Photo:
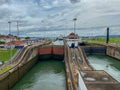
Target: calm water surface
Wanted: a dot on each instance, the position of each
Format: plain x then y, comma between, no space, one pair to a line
45,75
102,62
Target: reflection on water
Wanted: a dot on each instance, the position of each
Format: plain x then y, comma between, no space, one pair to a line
102,62
46,75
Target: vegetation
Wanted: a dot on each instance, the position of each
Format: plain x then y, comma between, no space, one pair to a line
1,42
27,38
102,40
17,37
5,69
5,54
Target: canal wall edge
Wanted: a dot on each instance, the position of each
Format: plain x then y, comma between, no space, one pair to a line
23,64
113,51
15,74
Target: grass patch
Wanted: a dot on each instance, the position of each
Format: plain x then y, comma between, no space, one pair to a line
115,40
5,69
102,40
5,54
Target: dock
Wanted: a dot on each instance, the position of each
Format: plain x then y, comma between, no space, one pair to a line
82,76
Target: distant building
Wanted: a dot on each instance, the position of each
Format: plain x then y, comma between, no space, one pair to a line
7,38
33,40
60,37
2,46
72,36
16,44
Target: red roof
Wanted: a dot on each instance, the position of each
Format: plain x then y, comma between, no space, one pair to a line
18,42
72,35
8,36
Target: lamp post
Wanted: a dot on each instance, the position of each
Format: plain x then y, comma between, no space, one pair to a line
107,37
17,28
9,22
74,20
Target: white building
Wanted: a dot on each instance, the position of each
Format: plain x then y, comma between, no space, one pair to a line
7,38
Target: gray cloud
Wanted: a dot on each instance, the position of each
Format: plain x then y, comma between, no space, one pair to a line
59,13
4,1
74,1
4,13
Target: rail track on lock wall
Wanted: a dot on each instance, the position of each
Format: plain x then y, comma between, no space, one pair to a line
75,60
70,69
79,59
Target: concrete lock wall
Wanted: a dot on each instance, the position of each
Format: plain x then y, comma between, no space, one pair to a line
24,62
51,51
113,52
14,75
24,68
110,50
58,52
45,52
95,50
4,82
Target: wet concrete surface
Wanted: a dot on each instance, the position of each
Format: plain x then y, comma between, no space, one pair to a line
99,80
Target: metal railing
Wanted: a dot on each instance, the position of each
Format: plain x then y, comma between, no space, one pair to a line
81,84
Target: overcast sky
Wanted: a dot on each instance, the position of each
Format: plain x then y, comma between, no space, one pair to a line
48,14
